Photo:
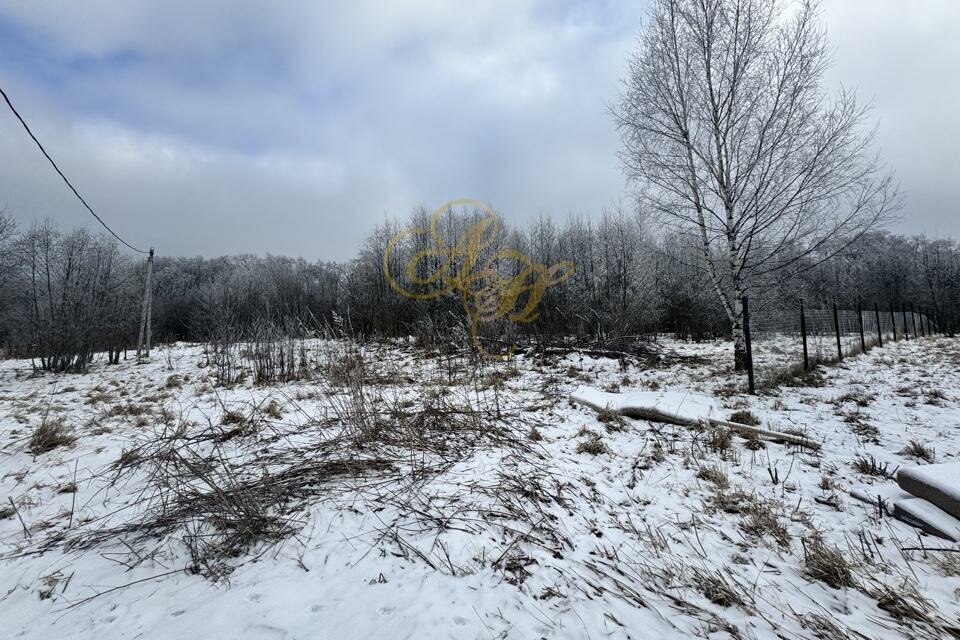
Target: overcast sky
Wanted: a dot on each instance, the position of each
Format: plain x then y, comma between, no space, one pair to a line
293,127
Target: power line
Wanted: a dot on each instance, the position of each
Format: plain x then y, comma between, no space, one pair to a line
57,169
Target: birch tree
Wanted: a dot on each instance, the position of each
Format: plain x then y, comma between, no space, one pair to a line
727,131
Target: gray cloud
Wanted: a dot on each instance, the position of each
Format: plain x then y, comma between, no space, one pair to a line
902,57
293,127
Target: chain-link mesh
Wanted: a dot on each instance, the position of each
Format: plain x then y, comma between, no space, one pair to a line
777,336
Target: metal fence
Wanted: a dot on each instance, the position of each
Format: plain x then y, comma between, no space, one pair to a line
784,343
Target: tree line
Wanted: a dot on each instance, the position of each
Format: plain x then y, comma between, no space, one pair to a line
67,295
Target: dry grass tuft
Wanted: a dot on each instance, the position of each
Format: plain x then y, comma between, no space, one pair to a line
827,564
99,395
718,588
593,446
239,425
737,501
752,441
128,458
947,563
721,439
762,522
273,410
794,376
344,369
904,604
50,435
232,417
868,465
826,628
861,427
859,398
612,419
746,417
130,409
715,476
919,450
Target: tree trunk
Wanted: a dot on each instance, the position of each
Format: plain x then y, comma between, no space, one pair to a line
739,338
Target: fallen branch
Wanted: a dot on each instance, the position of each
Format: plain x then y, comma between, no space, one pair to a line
655,415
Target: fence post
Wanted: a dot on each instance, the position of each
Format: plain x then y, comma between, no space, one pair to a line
836,328
906,327
863,342
876,312
751,384
803,332
893,321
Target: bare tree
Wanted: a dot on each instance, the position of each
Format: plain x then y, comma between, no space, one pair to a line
8,265
727,131
8,229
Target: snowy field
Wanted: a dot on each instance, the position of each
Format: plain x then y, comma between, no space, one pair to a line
391,492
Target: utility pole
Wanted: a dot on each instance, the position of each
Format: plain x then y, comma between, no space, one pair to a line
146,317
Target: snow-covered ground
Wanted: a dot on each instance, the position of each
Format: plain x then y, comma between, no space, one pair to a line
407,494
